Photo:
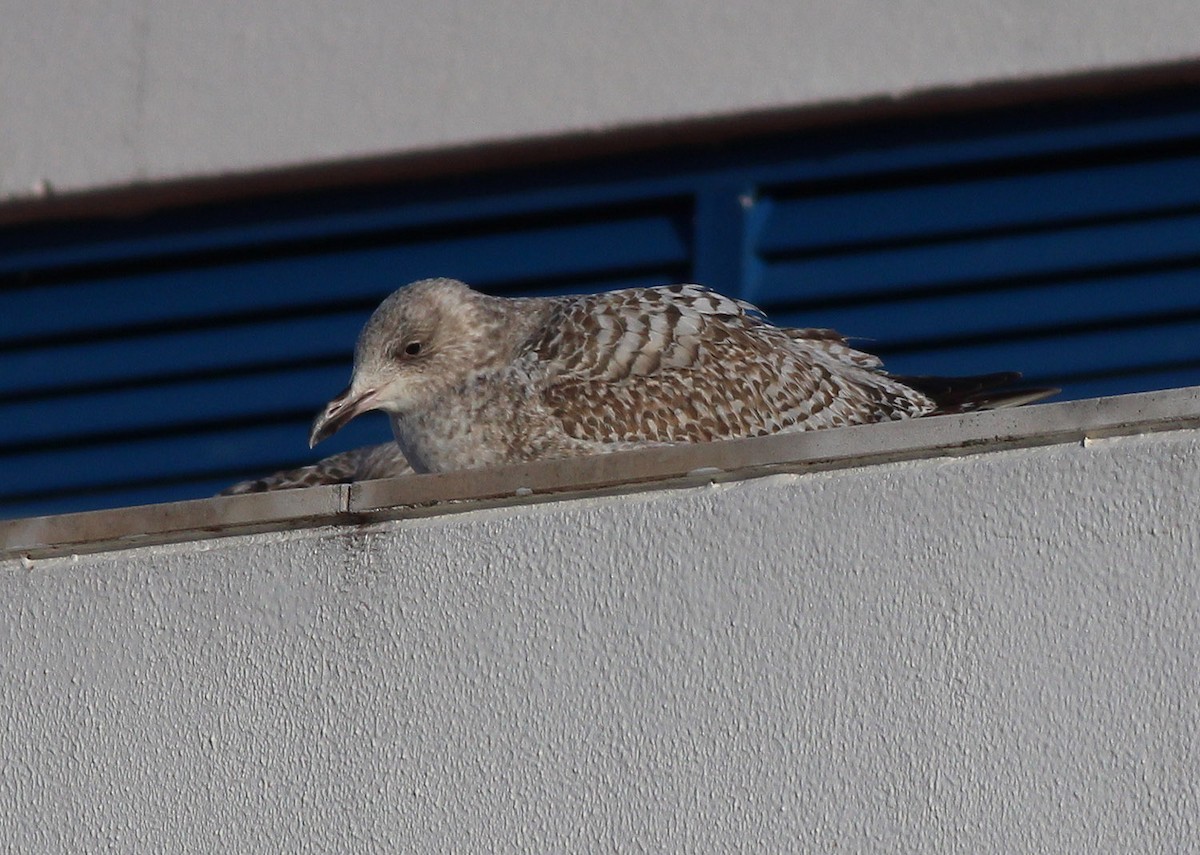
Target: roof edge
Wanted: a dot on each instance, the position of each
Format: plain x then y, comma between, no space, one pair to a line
607,474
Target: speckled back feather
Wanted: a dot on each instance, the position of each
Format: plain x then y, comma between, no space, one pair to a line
685,364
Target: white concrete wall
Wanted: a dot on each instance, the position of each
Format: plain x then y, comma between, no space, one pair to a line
97,94
995,653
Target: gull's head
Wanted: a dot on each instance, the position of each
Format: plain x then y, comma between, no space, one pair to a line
421,342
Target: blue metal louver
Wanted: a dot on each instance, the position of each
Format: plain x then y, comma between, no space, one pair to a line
161,357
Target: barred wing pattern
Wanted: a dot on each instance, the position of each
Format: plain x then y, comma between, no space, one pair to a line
685,364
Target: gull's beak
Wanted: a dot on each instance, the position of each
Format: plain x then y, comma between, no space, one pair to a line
339,411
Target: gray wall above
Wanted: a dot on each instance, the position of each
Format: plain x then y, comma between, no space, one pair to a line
140,92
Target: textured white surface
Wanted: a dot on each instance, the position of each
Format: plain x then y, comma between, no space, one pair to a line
97,94
994,653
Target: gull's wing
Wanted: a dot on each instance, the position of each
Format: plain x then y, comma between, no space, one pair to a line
685,364
360,464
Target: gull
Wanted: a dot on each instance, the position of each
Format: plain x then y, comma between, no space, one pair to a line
469,380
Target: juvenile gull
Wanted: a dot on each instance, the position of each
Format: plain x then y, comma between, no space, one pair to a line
469,380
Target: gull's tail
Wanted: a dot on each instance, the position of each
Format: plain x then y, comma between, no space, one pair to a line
979,392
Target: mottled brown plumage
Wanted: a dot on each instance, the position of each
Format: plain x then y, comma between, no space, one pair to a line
470,380
359,464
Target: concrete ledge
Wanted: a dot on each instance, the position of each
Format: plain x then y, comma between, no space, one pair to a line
657,468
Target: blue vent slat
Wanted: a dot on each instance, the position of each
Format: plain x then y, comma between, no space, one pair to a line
926,211
941,146
247,347
101,244
1085,353
293,282
168,405
988,259
1141,381
1007,311
139,358
174,456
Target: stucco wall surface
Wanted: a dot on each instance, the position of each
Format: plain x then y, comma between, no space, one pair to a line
994,653
97,94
